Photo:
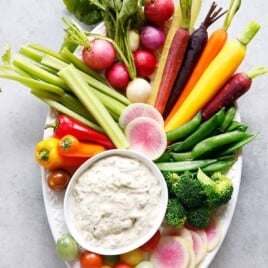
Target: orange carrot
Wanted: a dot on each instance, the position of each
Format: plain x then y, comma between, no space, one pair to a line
214,77
215,43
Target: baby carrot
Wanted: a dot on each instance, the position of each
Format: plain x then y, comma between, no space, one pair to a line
214,44
214,77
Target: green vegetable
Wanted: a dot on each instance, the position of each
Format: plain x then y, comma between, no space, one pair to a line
186,188
184,130
229,116
83,92
84,11
67,248
175,214
218,188
187,165
236,125
211,144
221,165
199,217
202,132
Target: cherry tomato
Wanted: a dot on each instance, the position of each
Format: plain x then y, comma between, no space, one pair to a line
57,180
90,260
122,265
145,62
110,259
106,266
133,257
159,11
67,248
151,243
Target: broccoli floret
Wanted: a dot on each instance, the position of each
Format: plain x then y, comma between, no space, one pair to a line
186,188
172,178
218,188
175,214
199,217
189,191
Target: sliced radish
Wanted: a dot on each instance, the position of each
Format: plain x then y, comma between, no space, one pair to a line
171,252
213,233
204,238
135,110
146,136
199,247
182,232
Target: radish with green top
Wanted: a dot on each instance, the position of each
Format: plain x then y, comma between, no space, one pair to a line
146,136
135,110
98,54
171,252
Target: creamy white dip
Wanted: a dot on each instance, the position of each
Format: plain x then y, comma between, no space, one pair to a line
115,202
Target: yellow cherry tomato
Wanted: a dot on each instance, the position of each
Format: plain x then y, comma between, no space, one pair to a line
133,257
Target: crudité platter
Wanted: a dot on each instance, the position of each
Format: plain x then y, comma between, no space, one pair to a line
147,79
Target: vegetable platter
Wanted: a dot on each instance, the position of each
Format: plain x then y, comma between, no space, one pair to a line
134,83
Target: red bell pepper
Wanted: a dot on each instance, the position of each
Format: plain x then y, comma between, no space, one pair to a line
66,125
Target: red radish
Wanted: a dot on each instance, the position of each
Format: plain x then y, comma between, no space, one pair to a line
117,76
134,110
100,55
171,252
213,233
138,90
146,136
159,11
145,62
152,38
235,87
199,248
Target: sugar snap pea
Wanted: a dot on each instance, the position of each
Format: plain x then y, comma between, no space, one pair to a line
203,131
181,156
217,142
184,130
236,125
229,116
220,165
188,165
165,157
238,145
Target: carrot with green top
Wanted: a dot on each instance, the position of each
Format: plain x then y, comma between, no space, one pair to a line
196,45
214,77
213,46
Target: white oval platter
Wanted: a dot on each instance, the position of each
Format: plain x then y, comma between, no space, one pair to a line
54,200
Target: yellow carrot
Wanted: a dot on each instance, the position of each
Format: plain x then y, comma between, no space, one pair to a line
214,77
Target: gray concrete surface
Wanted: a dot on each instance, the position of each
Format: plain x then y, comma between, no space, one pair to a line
26,240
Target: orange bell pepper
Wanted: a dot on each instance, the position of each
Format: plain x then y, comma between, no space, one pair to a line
70,146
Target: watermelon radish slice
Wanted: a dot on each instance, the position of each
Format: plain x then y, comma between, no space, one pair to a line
213,233
146,136
199,247
135,110
204,238
171,252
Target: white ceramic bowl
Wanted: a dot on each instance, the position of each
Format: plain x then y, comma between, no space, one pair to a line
134,242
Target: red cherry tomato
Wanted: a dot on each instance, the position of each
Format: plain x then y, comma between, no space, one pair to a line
159,11
145,62
151,243
122,265
57,180
90,260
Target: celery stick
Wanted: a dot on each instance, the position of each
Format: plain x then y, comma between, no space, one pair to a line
38,72
57,64
32,83
31,53
62,109
45,50
82,90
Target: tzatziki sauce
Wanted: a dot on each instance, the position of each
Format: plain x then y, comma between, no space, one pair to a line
115,201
